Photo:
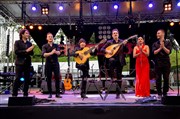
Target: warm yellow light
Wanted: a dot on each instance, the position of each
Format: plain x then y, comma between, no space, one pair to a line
40,27
172,23
77,6
31,27
23,27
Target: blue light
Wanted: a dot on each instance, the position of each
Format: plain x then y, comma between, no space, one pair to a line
21,79
116,6
34,8
95,7
61,7
178,3
150,5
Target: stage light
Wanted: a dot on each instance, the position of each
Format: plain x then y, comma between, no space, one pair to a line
61,7
45,9
23,27
33,8
167,5
95,6
21,79
150,5
172,23
40,27
31,27
178,3
116,6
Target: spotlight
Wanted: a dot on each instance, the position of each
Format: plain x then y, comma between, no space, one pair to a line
61,7
95,6
116,6
150,5
31,27
178,3
21,79
33,8
172,23
40,27
45,9
167,5
23,27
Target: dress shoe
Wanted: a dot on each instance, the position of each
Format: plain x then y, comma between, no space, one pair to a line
50,96
117,96
25,95
83,96
14,95
165,94
159,97
58,96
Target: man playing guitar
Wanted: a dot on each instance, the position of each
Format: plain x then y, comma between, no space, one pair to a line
117,60
83,67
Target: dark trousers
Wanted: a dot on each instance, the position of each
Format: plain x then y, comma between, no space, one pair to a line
162,69
53,67
115,67
84,70
21,72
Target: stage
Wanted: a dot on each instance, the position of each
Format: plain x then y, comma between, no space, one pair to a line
71,105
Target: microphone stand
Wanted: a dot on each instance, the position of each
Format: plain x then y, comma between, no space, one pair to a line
176,47
177,76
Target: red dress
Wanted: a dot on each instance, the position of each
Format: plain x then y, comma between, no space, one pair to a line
142,86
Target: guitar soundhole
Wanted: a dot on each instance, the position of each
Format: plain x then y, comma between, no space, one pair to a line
85,53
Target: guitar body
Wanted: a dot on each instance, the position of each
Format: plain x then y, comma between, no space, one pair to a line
67,84
84,55
114,48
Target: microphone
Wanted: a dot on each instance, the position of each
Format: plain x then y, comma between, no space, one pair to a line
174,42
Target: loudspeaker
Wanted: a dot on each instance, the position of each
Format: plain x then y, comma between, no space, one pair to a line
93,89
21,101
45,89
171,100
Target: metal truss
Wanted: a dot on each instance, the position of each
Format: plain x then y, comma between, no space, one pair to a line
126,19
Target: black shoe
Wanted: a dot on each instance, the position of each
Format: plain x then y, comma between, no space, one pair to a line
164,95
117,96
58,96
50,96
159,97
14,95
25,95
83,96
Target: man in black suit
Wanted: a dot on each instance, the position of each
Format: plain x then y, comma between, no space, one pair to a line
23,49
117,61
51,52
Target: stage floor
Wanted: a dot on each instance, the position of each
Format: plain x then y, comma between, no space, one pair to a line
71,106
72,98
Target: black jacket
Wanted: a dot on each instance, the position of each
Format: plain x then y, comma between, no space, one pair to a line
46,48
22,57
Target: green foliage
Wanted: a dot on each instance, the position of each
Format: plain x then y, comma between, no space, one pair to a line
173,59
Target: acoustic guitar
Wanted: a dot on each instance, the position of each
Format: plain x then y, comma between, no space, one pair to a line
68,81
115,47
84,54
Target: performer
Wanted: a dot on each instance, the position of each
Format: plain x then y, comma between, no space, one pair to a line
23,49
118,60
83,67
161,50
141,53
51,52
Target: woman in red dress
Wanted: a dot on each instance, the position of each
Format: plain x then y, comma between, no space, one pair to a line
141,53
